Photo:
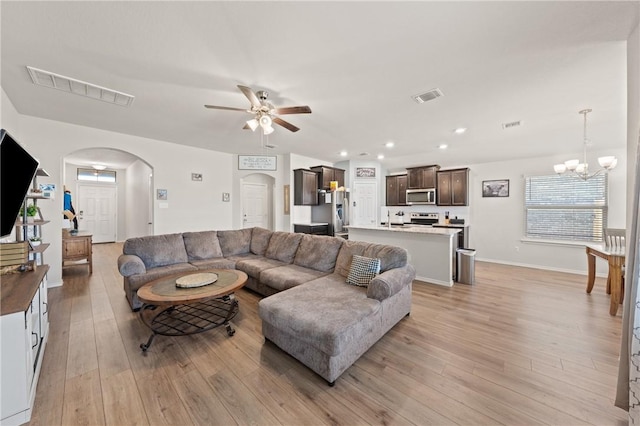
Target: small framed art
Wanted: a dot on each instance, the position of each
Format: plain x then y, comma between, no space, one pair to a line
495,188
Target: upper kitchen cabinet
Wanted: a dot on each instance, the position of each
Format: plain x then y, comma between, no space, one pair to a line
305,187
422,177
453,187
326,174
397,190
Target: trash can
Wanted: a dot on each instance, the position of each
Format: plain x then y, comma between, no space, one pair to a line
466,265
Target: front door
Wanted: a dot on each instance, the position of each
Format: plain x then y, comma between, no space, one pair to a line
96,212
255,205
365,201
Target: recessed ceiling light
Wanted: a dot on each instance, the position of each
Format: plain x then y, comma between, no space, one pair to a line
389,144
443,146
343,153
380,157
460,130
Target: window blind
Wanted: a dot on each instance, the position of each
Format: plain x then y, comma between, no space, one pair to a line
564,207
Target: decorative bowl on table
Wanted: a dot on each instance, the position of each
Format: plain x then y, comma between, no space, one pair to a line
196,280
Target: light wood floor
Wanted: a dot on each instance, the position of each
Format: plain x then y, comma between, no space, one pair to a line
520,347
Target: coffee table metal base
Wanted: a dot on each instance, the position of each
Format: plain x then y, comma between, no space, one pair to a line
182,320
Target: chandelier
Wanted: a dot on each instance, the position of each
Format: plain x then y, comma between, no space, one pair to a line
581,170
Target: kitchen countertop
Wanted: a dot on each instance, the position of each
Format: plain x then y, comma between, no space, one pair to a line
414,229
312,223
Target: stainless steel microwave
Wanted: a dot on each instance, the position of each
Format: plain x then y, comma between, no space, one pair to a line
421,196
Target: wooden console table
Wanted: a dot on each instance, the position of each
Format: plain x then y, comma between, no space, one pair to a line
616,257
76,248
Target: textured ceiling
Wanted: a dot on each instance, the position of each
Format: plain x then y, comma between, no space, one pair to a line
356,64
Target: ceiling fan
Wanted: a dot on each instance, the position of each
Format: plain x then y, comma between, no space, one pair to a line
265,113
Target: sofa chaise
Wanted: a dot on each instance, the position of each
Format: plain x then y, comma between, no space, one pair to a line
323,304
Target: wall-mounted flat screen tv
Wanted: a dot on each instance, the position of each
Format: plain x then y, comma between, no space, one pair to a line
17,169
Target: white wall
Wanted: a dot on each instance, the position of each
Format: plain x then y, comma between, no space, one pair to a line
497,224
633,115
191,205
135,213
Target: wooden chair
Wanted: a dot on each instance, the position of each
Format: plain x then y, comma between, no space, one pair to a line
615,238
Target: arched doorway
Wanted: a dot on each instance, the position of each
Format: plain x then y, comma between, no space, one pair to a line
110,210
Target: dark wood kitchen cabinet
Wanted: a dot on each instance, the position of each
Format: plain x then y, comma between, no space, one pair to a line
305,187
422,177
453,187
396,190
326,174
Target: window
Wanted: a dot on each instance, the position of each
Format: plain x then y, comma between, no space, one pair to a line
564,207
108,176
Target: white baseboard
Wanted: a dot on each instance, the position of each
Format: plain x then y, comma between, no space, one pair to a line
544,268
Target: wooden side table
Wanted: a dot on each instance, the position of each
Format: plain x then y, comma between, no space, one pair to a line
76,248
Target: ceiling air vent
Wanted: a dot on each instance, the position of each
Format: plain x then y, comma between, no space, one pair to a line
506,126
77,87
428,96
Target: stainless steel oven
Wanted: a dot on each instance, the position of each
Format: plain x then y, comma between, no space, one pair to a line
420,218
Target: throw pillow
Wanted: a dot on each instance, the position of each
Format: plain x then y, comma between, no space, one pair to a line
363,270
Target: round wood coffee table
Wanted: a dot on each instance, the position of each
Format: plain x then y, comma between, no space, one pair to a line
170,310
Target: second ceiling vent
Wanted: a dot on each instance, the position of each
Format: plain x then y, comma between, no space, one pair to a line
428,96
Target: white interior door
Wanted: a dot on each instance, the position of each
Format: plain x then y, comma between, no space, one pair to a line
364,203
255,205
96,212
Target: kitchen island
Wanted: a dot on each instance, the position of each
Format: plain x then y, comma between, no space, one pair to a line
431,250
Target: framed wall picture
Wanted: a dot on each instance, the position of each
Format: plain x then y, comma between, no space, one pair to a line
495,188
365,172
162,194
257,162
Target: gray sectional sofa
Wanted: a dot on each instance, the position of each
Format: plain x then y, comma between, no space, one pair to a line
309,310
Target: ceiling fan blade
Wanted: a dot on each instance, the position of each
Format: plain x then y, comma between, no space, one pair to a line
227,108
293,110
285,124
250,95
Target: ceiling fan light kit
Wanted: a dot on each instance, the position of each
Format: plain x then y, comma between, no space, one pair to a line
265,113
581,170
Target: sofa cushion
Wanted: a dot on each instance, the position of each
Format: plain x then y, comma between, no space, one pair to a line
157,250
390,256
318,313
363,270
283,246
318,252
202,245
288,276
214,263
236,241
260,240
254,266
